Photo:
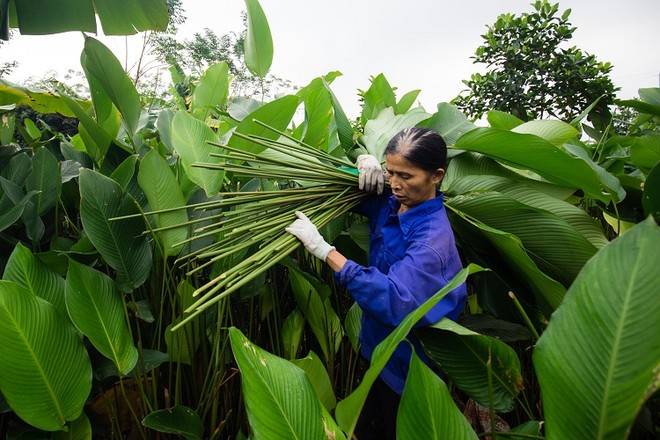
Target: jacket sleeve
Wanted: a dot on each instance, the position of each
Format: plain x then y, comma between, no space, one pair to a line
388,298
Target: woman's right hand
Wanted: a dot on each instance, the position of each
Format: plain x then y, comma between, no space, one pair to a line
371,176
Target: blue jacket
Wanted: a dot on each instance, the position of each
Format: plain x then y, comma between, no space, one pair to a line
412,256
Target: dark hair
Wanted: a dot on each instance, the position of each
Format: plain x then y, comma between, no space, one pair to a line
423,147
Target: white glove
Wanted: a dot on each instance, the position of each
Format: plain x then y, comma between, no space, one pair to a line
310,237
370,173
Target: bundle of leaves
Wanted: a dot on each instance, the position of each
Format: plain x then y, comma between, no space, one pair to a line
249,228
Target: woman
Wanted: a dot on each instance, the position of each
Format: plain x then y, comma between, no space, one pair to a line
412,255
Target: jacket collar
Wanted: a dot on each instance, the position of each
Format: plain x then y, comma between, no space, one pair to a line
408,219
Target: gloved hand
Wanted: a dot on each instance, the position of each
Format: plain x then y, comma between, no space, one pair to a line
310,237
370,177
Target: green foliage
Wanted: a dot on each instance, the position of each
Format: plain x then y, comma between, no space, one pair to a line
97,310
163,193
531,75
258,42
176,420
106,74
98,227
120,242
27,271
424,404
280,400
205,49
125,18
607,366
470,360
45,373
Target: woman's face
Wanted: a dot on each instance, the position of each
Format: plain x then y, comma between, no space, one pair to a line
410,184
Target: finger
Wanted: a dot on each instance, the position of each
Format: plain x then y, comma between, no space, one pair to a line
295,229
301,215
381,183
361,179
374,180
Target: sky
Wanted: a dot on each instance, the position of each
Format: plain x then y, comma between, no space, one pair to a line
416,44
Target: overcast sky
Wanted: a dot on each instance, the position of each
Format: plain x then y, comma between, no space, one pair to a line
417,44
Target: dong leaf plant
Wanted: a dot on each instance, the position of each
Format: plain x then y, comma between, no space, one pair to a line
146,271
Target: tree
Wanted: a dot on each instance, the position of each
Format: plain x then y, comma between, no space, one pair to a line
207,48
531,76
7,67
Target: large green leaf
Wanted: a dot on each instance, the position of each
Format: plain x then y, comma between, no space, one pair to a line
105,112
465,357
258,42
450,122
556,246
348,410
124,17
318,117
427,410
344,128
18,168
44,178
279,399
379,130
467,164
318,311
11,208
599,358
318,377
190,138
79,429
102,64
120,242
379,96
176,420
97,310
40,100
554,131
525,191
505,121
163,192
212,91
95,137
291,333
407,101
608,181
127,17
124,172
531,152
45,373
26,270
547,292
645,151
277,114
353,325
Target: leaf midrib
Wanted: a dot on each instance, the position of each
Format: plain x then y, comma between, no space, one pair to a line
42,373
609,378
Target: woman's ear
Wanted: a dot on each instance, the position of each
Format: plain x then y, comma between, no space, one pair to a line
438,175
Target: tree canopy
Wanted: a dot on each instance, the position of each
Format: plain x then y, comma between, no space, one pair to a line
531,75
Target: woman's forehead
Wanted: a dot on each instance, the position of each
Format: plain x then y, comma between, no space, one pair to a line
396,161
